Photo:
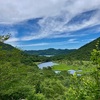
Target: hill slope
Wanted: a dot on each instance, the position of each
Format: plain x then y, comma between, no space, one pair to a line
84,52
10,53
4,46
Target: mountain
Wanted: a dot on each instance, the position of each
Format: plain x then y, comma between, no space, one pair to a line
4,46
50,51
9,53
12,54
84,52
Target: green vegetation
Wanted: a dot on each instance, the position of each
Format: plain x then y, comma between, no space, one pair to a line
63,67
85,66
83,53
50,51
4,37
20,78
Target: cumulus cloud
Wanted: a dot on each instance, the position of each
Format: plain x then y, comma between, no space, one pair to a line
12,11
35,44
53,27
55,16
12,40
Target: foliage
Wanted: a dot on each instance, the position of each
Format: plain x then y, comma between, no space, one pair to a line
96,55
20,78
4,37
83,53
50,51
64,67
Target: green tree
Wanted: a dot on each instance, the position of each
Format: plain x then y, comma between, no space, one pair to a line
4,37
95,57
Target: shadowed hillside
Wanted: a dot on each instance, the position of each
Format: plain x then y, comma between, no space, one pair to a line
4,46
84,52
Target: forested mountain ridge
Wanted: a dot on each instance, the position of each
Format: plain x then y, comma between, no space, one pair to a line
7,52
84,52
4,46
50,51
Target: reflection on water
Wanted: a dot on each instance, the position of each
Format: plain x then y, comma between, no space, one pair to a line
71,71
74,71
46,64
49,64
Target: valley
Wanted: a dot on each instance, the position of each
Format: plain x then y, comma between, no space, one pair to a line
60,77
49,49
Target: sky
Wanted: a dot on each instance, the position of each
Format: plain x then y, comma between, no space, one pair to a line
43,24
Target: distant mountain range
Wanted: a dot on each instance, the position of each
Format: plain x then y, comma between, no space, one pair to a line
83,53
50,51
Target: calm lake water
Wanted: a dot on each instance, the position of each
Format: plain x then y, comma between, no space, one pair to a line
50,64
47,55
46,64
73,71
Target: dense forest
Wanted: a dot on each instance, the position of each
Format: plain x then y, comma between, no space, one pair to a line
22,79
83,53
50,51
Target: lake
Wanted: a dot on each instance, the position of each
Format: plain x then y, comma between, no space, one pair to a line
50,64
47,55
74,71
46,64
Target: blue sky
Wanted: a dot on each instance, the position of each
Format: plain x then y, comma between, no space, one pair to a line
42,24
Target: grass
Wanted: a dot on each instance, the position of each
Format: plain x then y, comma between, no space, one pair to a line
37,63
64,67
86,67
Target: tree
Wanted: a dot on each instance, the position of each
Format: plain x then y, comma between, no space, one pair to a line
95,57
4,37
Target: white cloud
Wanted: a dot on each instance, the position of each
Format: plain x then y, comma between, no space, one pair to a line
49,43
14,11
12,40
72,40
53,28
12,34
36,44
